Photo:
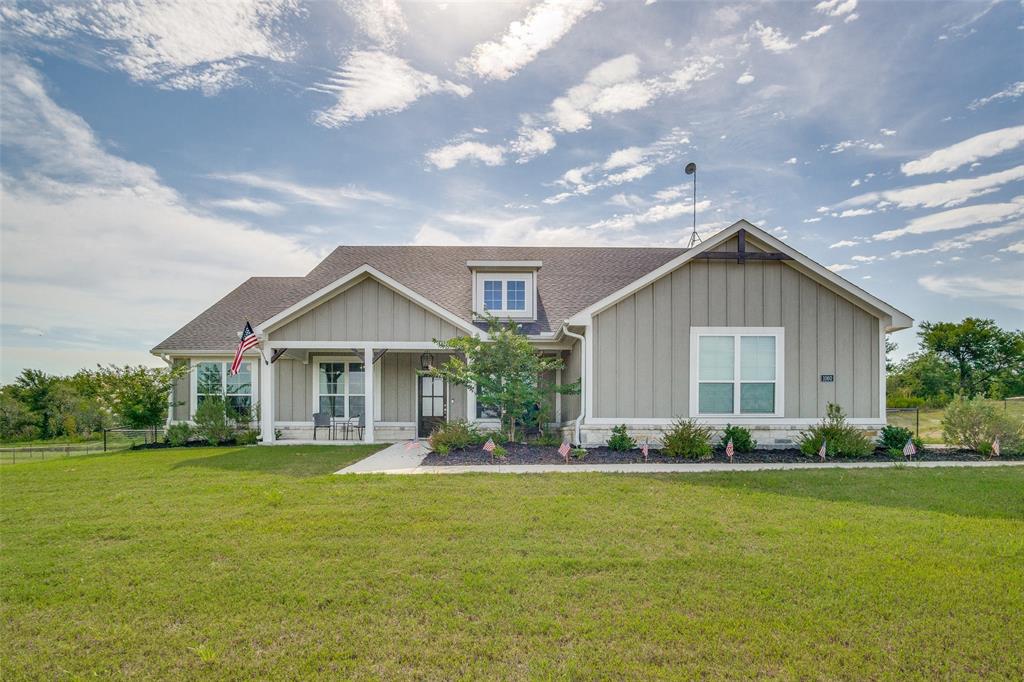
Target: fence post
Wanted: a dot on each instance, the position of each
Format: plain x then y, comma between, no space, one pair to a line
917,416
104,440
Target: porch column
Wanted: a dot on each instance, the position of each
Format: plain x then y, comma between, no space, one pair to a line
370,401
266,399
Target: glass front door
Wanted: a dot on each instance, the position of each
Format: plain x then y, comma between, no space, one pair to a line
432,404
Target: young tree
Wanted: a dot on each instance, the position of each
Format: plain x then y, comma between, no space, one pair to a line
980,350
505,370
137,396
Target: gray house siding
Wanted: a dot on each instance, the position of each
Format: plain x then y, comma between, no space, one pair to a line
571,372
642,353
181,395
367,311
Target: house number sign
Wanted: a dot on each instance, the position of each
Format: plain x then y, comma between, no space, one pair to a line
827,378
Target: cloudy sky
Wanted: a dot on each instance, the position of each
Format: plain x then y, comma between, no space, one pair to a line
157,154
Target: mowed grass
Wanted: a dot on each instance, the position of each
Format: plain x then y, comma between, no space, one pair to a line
931,418
256,563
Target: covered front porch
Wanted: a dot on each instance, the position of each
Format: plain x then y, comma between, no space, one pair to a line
323,393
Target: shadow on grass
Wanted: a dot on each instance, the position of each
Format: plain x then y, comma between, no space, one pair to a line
300,461
987,493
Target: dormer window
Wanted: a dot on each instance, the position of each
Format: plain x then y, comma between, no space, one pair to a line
505,289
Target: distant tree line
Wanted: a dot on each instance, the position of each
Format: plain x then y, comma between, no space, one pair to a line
38,405
971,358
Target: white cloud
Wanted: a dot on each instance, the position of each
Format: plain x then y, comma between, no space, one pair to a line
972,149
125,238
957,218
964,241
1016,247
498,229
544,25
842,146
816,33
450,155
532,142
772,39
836,8
851,18
842,243
856,212
865,259
812,220
176,44
248,205
324,197
746,78
374,82
841,267
1010,92
1009,292
791,161
382,21
654,214
946,194
855,183
888,132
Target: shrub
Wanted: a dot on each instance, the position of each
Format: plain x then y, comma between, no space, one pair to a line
740,437
840,438
578,453
499,452
213,420
179,434
548,439
620,440
975,424
453,435
247,437
687,438
896,437
499,437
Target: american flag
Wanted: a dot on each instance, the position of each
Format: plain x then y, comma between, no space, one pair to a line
564,449
909,450
822,451
645,448
489,445
729,450
247,341
995,447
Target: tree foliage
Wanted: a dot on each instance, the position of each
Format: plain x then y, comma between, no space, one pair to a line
506,372
982,353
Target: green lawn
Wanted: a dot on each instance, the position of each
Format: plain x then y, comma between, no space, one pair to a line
252,562
931,419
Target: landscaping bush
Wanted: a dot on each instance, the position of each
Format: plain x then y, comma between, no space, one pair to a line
499,452
896,437
840,438
453,435
247,437
213,420
620,440
499,437
687,438
975,424
740,437
578,453
548,438
179,434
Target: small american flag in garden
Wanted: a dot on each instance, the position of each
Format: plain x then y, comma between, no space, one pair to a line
729,450
823,450
247,341
995,448
909,450
563,450
489,445
645,448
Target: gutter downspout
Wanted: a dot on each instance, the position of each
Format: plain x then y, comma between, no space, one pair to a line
583,378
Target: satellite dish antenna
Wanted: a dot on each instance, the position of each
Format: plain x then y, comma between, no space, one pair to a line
691,169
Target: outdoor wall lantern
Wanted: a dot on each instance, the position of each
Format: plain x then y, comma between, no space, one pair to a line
426,361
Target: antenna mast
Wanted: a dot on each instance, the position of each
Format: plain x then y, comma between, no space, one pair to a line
691,169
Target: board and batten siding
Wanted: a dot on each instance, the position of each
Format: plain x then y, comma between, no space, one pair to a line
367,311
573,360
642,344
181,394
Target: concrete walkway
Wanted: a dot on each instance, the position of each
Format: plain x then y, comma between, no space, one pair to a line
400,458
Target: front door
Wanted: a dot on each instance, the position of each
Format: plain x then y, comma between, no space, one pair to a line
433,404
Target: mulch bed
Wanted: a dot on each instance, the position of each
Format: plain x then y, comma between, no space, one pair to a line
539,454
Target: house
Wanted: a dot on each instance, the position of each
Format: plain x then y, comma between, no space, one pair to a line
741,329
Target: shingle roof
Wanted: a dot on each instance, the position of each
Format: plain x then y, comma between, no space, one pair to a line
570,279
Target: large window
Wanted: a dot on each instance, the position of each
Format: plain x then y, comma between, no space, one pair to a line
341,391
215,379
736,371
505,294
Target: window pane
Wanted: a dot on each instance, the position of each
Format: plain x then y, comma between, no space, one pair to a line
757,398
716,358
427,408
356,406
241,383
715,399
241,406
757,358
516,295
492,294
208,378
332,405
356,378
332,377
438,407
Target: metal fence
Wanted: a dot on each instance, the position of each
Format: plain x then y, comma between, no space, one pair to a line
112,440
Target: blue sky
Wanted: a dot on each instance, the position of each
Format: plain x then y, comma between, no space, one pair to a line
156,155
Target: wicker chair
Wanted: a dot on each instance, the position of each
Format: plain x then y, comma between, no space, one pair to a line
322,420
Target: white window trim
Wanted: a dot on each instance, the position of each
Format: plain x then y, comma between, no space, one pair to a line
530,278
780,370
346,360
225,367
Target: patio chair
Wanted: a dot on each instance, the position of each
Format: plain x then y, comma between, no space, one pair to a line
358,424
322,420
